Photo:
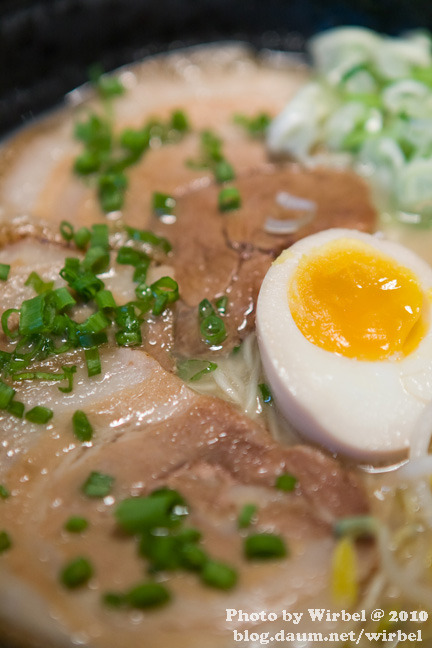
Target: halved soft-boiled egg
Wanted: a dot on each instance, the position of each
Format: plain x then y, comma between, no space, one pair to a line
345,335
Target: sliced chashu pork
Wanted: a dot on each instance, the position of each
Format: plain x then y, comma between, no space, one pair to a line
229,253
211,85
155,432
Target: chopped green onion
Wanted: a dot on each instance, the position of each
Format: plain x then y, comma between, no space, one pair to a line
163,203
66,230
63,299
76,524
128,338
96,260
213,330
139,514
266,394
255,126
192,556
147,595
194,369
93,361
32,316
39,414
81,426
264,545
149,237
229,199
6,395
246,515
357,526
5,323
82,237
90,340
68,372
211,146
112,187
221,304
105,300
218,574
16,408
128,256
5,542
97,485
114,599
4,271
88,162
165,290
95,323
136,141
107,85
224,172
179,121
76,573
4,492
205,309
99,236
286,482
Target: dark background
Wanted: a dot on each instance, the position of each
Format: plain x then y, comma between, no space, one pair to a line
46,46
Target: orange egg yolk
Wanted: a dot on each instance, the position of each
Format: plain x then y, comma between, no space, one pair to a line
349,298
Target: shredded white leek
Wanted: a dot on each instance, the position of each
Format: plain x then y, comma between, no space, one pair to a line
372,99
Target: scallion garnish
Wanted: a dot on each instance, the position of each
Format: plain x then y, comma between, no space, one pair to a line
68,374
39,414
5,323
165,291
192,369
180,121
76,524
92,358
255,126
265,393
6,395
136,141
219,575
82,238
4,271
212,158
224,172
140,514
229,199
246,515
16,408
114,599
97,485
76,573
81,426
221,304
163,203
262,546
63,299
212,327
357,526
5,541
150,238
107,85
105,300
213,330
286,482
147,595
111,191
66,230
4,492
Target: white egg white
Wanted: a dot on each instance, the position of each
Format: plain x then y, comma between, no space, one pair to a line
365,409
